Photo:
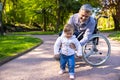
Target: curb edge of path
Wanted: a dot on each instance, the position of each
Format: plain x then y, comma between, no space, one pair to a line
19,54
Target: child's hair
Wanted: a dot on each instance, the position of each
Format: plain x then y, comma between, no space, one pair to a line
68,28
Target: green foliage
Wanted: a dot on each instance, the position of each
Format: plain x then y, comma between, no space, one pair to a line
106,23
13,45
113,8
49,15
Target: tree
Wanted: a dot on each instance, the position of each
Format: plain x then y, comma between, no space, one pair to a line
46,14
114,7
63,11
2,29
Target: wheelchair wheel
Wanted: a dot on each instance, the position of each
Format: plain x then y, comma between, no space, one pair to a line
97,50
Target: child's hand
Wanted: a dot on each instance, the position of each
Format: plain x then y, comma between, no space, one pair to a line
72,46
57,56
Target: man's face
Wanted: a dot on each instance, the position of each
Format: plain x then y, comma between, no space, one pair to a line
84,15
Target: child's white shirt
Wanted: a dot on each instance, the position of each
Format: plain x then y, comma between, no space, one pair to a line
62,45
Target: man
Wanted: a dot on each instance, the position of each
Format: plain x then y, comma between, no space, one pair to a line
83,23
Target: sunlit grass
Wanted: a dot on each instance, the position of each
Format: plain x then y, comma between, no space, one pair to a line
107,30
115,35
13,45
35,33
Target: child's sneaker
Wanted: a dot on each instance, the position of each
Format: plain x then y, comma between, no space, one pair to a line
72,77
62,71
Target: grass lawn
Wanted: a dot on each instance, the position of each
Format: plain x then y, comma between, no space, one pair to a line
115,35
11,45
34,33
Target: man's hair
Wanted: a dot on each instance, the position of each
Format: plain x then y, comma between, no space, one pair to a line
68,28
87,8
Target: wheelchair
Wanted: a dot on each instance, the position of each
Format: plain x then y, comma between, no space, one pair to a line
98,49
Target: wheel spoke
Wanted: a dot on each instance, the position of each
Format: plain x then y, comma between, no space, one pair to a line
96,53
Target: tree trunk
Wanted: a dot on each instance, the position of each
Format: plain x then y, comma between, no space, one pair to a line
116,22
44,19
116,16
1,21
58,17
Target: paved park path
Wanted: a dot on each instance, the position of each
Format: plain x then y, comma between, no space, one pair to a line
39,64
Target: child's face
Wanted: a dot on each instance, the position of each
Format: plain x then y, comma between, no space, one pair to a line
68,34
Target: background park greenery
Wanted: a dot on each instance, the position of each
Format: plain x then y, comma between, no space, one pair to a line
51,15
47,17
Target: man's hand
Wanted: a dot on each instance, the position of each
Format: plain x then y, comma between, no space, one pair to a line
79,56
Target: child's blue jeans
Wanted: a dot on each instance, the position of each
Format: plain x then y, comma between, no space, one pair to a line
71,63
